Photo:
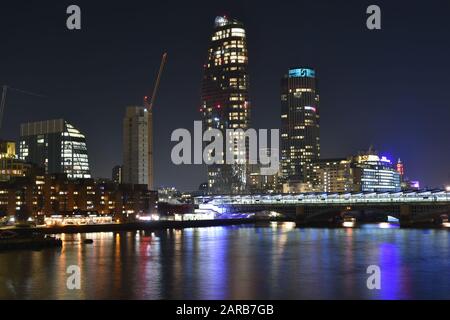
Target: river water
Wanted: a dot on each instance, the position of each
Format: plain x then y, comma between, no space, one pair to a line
273,261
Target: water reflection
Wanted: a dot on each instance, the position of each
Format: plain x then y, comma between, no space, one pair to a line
273,261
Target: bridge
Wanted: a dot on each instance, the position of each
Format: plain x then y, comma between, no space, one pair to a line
410,207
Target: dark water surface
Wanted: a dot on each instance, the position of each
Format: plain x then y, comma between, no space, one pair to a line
275,261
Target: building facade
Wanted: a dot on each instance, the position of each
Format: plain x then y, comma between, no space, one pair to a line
332,175
258,182
137,147
40,194
10,165
57,146
366,172
225,102
300,142
374,173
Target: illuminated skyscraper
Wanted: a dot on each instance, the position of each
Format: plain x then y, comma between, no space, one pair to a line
300,143
225,101
57,146
137,150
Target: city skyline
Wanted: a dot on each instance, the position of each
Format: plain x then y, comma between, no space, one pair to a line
223,157
391,117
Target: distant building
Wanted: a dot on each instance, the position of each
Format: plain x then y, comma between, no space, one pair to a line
45,194
410,185
300,142
332,175
117,174
259,182
171,201
366,172
407,185
169,194
203,187
137,147
57,146
400,168
375,173
225,100
10,165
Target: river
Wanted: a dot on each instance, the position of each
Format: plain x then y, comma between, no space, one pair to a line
272,261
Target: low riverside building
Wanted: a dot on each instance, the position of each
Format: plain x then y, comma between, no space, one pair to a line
365,172
39,194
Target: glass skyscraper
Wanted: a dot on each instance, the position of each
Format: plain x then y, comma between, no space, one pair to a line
225,101
300,142
57,146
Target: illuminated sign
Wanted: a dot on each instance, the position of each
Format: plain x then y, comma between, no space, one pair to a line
302,73
385,159
220,21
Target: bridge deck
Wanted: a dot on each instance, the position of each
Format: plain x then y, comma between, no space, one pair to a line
425,197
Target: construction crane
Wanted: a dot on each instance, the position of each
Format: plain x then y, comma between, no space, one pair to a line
149,104
3,101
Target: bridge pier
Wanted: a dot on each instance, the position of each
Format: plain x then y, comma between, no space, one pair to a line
300,214
405,215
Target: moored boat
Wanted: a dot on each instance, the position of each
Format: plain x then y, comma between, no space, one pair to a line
10,240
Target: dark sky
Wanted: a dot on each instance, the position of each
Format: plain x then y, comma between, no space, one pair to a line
387,88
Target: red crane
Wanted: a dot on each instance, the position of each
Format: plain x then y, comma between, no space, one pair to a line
149,104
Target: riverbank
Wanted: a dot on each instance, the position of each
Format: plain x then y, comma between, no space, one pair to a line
169,224
147,226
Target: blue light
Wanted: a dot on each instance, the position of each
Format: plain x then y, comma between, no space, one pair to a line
302,73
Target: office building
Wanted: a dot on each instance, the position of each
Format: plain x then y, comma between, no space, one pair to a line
57,146
225,101
300,142
332,175
374,173
366,172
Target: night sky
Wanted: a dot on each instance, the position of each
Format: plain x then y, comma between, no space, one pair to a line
388,88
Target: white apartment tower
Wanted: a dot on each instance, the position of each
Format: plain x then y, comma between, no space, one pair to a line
137,147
